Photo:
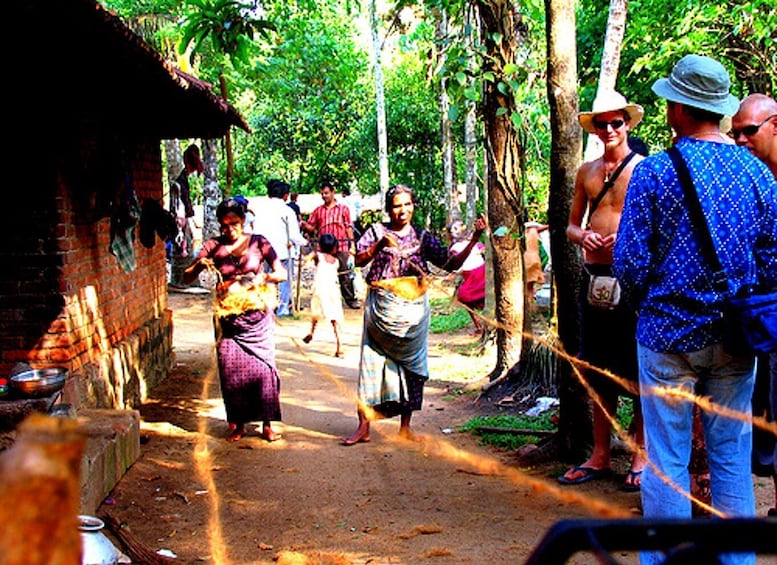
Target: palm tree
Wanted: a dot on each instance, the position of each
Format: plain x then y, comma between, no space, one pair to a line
231,28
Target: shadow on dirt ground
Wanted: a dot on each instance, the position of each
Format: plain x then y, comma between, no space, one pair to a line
308,499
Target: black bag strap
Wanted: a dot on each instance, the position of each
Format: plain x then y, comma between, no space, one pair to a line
719,276
609,183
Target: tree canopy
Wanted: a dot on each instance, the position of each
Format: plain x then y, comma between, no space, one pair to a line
300,73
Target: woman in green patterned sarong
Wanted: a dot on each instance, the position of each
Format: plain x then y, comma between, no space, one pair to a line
393,366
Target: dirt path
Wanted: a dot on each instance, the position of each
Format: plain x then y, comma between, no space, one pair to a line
445,500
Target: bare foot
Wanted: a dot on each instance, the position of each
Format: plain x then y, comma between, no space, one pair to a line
269,435
339,354
406,433
236,432
360,436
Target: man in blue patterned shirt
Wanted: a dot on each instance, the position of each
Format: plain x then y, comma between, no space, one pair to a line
664,274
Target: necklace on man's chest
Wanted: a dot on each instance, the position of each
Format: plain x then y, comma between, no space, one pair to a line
609,170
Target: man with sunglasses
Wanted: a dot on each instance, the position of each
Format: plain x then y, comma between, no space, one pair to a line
755,127
666,274
607,328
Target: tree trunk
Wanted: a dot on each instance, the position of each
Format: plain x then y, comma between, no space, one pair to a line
452,208
611,60
502,32
574,433
227,143
211,192
174,155
380,103
470,136
174,158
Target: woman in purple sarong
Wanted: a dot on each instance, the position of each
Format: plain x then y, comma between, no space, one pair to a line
245,298
393,366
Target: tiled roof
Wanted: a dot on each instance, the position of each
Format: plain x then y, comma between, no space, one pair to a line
74,62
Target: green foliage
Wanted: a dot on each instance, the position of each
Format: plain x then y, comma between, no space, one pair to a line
509,441
449,320
624,413
310,91
306,88
739,33
520,80
229,25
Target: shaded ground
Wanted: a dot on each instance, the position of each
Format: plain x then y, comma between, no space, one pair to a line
444,500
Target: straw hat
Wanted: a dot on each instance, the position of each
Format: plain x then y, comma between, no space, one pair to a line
610,101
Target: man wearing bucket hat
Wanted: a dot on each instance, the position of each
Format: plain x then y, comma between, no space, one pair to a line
607,327
755,127
665,275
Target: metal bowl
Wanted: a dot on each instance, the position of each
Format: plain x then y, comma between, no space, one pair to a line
38,382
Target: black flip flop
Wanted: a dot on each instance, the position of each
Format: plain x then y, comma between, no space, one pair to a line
589,474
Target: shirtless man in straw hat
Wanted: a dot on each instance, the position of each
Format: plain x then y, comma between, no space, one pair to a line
607,326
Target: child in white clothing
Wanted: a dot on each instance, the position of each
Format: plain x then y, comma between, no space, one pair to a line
325,302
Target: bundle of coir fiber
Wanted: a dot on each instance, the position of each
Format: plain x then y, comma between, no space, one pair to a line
244,296
40,490
409,288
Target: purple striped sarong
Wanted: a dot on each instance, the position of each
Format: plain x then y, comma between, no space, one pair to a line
250,384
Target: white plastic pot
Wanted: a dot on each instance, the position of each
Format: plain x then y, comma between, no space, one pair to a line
97,549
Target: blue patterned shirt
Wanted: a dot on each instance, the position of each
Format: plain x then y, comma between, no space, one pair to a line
657,256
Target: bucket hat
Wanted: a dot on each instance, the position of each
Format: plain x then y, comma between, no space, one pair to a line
610,101
701,82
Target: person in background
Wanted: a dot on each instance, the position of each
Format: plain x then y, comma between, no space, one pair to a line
393,365
665,275
755,126
277,223
248,226
325,299
181,202
354,203
532,260
248,268
335,218
607,329
472,290
292,203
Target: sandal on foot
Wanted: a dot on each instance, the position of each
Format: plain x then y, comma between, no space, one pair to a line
308,338
589,474
631,484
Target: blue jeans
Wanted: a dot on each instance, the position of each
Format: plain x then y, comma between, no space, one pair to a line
728,382
284,292
773,399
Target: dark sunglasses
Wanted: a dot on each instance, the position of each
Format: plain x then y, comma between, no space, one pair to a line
750,130
616,124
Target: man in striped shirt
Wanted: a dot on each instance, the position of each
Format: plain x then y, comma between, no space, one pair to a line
334,218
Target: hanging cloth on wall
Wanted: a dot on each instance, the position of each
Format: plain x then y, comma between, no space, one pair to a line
126,212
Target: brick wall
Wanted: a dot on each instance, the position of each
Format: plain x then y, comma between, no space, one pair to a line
64,300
